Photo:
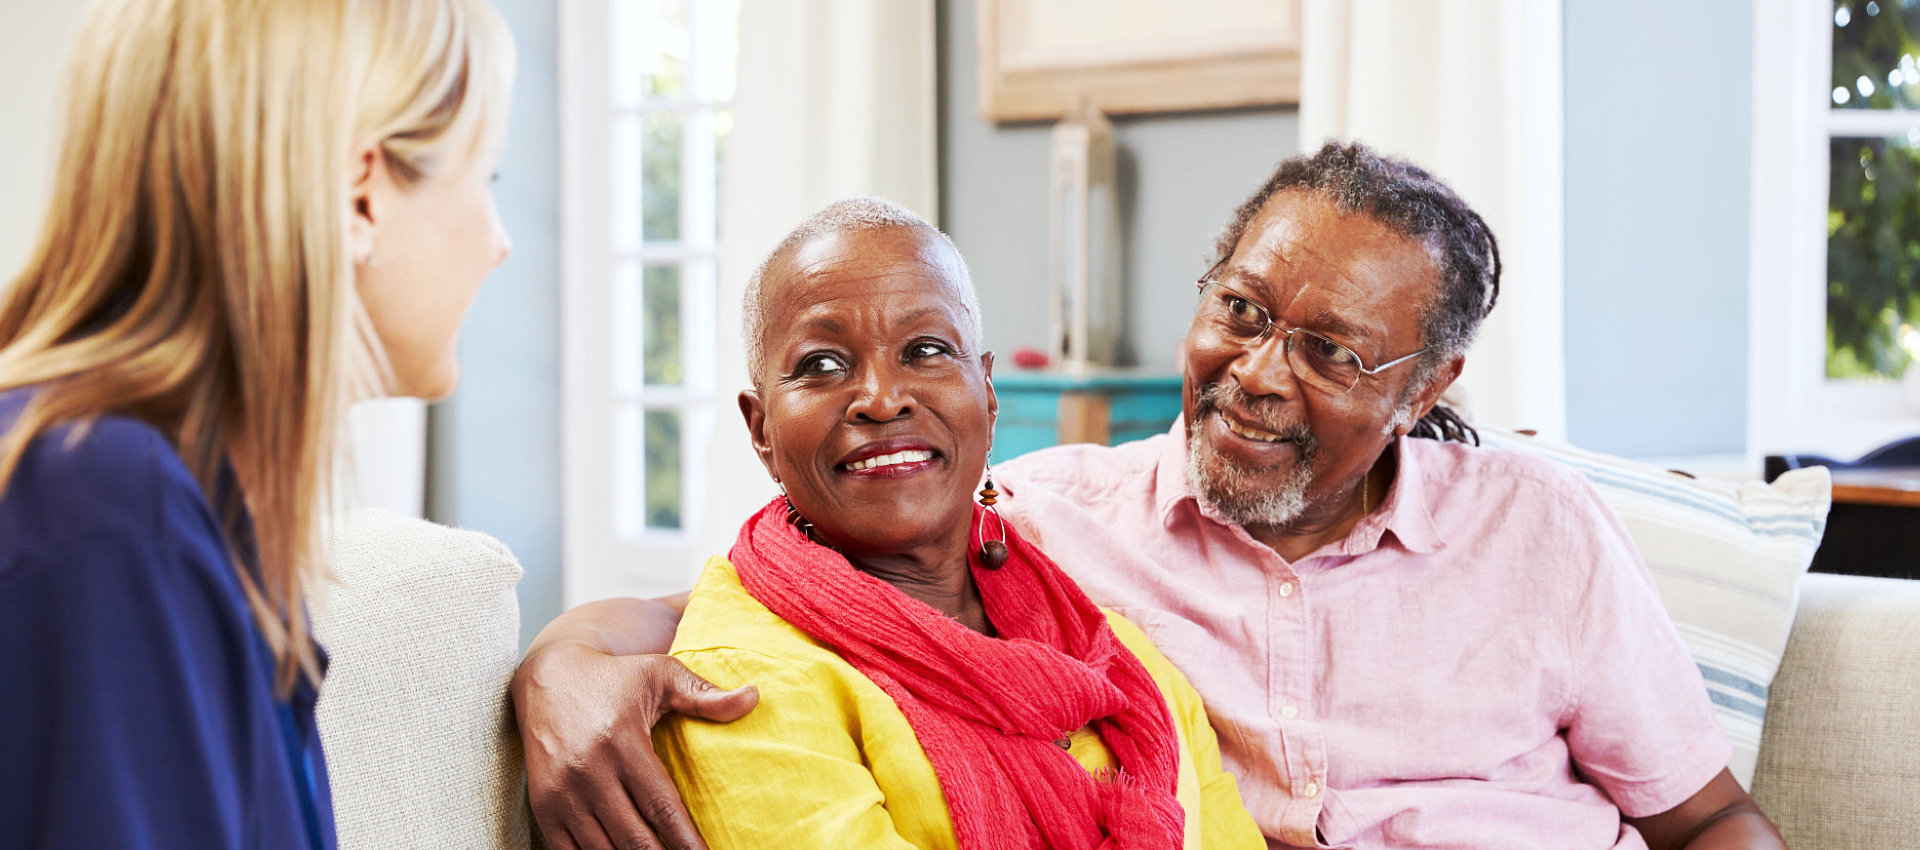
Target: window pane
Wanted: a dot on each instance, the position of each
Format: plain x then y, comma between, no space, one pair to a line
1873,257
647,347
628,320
1874,52
626,470
661,316
663,468
662,134
650,51
626,184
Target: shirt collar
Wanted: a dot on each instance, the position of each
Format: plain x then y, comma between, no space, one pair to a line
1170,486
1405,512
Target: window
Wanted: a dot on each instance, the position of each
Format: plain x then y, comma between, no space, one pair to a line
1835,245
1873,191
646,86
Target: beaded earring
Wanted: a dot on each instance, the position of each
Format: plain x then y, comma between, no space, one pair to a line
797,521
793,514
993,553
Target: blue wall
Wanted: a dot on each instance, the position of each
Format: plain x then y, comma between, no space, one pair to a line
494,446
1658,122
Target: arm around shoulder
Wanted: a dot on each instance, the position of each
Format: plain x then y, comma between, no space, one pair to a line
791,774
591,677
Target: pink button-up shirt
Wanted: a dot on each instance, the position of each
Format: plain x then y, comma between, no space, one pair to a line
1482,662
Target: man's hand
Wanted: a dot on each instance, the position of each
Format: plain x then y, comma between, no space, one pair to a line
585,720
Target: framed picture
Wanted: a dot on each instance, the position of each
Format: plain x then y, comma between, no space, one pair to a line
1041,58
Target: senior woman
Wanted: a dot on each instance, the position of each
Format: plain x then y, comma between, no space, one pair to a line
927,678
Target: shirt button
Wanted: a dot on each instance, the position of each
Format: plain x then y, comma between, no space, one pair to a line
1286,589
1289,712
1312,789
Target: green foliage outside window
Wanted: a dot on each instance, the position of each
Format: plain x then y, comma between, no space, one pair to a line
1873,216
1873,257
661,145
662,446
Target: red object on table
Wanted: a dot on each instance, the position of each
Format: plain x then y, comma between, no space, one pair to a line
1028,357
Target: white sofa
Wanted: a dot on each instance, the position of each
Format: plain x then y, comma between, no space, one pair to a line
423,632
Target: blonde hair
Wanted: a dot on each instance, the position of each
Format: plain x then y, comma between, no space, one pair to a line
194,272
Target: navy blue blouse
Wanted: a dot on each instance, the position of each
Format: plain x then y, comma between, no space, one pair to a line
136,696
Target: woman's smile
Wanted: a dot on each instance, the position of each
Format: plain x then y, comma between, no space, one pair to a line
895,458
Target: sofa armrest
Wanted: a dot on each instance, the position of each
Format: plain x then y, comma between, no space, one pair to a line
1840,755
423,633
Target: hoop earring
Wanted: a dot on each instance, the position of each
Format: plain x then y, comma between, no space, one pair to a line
993,553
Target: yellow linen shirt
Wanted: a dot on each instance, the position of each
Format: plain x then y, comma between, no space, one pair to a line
828,760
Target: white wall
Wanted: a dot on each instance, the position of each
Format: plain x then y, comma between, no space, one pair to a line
33,46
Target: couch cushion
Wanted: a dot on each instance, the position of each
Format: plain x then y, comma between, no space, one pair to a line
1727,560
423,632
1840,760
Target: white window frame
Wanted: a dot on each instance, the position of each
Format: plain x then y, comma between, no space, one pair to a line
1791,406
597,560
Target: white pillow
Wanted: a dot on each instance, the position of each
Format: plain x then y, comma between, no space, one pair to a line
423,633
1727,560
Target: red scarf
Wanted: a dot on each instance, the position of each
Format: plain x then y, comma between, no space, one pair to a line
988,710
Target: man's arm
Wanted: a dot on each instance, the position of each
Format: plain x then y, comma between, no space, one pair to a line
1721,815
1644,730
620,626
586,697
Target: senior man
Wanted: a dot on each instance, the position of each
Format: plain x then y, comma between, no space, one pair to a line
1402,642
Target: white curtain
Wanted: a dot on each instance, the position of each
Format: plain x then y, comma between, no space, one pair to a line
1470,90
834,98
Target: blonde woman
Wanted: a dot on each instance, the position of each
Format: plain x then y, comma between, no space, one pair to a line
264,210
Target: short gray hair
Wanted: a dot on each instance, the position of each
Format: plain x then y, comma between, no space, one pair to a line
848,215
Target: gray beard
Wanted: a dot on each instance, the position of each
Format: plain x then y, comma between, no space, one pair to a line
1229,486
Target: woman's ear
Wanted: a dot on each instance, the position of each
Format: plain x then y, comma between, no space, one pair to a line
993,398
367,197
754,410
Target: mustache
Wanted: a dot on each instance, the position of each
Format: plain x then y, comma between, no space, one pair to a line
1264,413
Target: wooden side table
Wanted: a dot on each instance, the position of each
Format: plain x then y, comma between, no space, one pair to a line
1893,487
1109,407
1874,528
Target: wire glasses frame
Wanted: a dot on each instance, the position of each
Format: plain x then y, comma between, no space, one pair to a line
1321,362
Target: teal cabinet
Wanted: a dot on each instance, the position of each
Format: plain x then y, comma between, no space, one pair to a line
1041,409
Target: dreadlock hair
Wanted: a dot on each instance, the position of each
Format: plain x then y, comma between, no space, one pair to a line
1415,204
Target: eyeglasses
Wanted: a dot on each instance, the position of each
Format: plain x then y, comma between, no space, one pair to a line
1320,362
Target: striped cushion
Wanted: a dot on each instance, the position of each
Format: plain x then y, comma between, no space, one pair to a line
1727,560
